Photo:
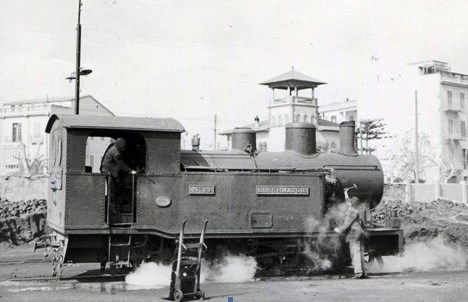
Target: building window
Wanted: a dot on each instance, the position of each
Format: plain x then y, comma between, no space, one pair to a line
306,119
462,100
16,135
273,121
464,158
91,160
351,118
286,118
280,121
463,129
450,126
449,99
333,118
298,118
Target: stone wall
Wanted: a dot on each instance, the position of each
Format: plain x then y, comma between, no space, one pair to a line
15,188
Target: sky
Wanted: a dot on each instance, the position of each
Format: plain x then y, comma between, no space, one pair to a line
193,59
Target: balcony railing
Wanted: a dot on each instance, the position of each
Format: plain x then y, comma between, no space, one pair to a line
452,108
9,154
454,78
24,109
296,100
454,137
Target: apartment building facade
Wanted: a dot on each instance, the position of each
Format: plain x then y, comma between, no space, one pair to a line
22,124
339,111
293,101
429,99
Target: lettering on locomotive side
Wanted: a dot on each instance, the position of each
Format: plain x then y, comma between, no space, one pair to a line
282,190
201,189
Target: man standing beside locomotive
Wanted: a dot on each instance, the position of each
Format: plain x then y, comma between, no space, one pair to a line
113,164
354,228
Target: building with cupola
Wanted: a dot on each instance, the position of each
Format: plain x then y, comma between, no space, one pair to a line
293,101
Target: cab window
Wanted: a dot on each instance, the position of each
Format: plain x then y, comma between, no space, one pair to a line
98,143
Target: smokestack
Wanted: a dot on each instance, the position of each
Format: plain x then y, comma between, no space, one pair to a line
242,137
347,138
300,138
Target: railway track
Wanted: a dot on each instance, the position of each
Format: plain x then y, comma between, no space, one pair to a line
23,261
80,278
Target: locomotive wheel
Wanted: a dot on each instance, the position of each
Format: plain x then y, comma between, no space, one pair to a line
57,261
103,267
200,294
372,258
178,295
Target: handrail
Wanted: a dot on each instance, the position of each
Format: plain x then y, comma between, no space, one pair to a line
269,170
107,189
133,199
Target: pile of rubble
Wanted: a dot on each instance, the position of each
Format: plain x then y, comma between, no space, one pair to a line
21,222
425,221
17,209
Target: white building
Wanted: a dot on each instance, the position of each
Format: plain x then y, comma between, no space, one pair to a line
22,124
289,103
338,112
442,115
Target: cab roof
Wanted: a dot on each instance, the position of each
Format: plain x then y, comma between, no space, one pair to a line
116,123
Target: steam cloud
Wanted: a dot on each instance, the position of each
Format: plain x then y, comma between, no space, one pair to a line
325,248
150,275
228,269
424,256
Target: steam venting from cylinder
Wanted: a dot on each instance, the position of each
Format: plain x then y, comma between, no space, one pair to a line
300,138
242,138
347,138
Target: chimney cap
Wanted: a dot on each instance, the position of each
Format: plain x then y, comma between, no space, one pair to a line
243,130
348,124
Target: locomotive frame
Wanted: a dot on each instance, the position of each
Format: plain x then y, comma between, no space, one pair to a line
257,203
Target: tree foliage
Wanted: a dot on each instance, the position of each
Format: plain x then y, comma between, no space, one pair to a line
326,146
369,130
404,157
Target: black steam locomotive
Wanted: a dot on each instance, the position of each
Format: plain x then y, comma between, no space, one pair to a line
257,203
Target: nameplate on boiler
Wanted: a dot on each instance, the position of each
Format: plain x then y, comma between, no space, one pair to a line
201,189
282,190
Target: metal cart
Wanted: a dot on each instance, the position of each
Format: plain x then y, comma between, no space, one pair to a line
185,278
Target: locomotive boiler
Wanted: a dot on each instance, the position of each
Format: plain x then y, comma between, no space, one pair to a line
257,203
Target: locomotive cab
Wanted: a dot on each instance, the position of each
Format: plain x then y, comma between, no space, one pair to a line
79,192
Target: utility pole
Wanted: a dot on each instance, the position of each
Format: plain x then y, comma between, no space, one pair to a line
78,61
215,130
416,134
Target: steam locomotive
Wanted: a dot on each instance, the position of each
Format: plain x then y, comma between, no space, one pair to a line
257,203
